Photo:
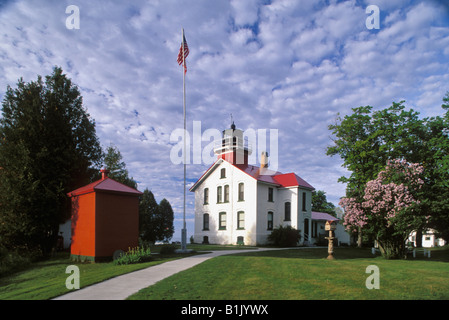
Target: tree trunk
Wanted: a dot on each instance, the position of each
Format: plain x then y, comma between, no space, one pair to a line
393,249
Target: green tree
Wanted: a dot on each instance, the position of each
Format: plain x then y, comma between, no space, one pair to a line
355,144
155,220
148,217
48,147
438,183
367,139
320,203
166,218
117,168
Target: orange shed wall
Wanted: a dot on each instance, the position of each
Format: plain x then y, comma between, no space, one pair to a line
83,225
117,224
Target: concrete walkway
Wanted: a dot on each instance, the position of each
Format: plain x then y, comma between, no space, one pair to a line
121,287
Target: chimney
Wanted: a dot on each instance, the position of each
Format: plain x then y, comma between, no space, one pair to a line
264,159
104,173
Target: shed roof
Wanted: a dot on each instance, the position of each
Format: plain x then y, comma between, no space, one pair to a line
105,185
323,216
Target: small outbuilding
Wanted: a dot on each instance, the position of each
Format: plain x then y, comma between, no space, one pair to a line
104,219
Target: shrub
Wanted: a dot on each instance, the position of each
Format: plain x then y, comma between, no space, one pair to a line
284,236
168,249
15,260
134,255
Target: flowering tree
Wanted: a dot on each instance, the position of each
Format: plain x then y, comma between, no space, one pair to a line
387,209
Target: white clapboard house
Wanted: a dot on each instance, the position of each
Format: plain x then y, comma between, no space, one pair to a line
239,203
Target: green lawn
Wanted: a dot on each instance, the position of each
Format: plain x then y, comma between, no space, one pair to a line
284,274
306,274
46,279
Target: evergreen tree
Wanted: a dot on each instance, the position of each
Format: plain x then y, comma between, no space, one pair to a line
320,203
155,220
148,216
167,217
48,147
117,168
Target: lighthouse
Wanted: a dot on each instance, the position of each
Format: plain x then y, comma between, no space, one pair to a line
233,147
240,203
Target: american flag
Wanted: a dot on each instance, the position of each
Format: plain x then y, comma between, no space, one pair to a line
186,53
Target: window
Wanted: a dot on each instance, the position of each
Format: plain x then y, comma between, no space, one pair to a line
270,194
206,221
219,194
270,220
287,211
222,221
304,202
206,196
223,173
241,191
226,193
240,220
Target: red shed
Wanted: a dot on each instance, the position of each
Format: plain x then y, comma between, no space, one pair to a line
105,218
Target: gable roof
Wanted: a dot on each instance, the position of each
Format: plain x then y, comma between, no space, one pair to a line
105,185
292,179
265,175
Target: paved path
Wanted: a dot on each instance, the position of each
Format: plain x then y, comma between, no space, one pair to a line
121,287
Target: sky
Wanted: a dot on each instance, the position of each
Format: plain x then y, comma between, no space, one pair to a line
288,66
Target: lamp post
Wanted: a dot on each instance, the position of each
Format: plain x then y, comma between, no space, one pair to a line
330,226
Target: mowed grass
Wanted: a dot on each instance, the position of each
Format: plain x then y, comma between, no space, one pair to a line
47,279
296,274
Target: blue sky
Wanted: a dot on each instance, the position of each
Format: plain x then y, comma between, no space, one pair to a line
288,65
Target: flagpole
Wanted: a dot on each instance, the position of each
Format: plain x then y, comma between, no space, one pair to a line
184,230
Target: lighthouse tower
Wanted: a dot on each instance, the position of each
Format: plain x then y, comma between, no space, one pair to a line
232,147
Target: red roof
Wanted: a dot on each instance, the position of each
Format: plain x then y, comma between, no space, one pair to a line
275,177
105,185
264,175
291,179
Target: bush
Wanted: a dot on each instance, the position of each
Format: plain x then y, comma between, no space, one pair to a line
134,255
11,261
168,249
284,236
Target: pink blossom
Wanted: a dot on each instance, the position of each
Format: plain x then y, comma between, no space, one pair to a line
386,197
